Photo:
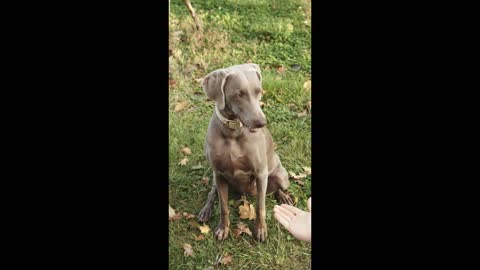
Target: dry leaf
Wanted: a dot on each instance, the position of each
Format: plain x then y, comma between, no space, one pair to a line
186,151
281,69
172,82
299,182
180,106
188,250
247,211
302,114
307,85
200,237
242,228
226,259
204,229
172,215
262,104
205,180
193,223
183,162
308,170
188,216
299,176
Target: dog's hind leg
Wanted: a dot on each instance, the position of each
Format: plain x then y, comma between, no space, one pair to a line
207,211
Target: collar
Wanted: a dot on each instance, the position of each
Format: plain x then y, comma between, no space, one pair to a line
232,124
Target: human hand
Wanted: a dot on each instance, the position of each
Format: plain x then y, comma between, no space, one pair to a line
296,221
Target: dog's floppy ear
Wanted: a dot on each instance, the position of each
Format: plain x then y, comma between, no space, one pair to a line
213,85
257,69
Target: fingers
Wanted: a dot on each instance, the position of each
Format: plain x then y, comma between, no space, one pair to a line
284,220
292,209
309,204
284,211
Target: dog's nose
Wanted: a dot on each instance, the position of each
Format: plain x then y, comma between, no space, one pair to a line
260,123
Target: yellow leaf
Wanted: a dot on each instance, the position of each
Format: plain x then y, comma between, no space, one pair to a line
183,162
308,85
180,106
204,229
186,151
247,211
188,250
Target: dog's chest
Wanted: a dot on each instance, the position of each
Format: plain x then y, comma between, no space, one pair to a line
232,160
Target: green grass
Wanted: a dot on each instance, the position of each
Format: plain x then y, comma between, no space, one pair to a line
271,33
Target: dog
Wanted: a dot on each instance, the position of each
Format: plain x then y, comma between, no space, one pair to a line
239,147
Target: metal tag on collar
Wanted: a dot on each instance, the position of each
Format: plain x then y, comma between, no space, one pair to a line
234,124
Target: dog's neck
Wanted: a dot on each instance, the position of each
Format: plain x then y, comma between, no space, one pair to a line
228,118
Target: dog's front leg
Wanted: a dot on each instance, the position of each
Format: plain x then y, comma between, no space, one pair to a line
221,232
261,225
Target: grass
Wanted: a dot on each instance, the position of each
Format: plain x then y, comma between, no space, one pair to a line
273,34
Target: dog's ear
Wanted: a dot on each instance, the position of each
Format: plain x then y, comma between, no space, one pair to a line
257,69
213,85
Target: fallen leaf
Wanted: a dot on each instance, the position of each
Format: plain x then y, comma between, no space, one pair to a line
262,104
299,182
188,216
242,228
186,151
204,229
302,114
307,85
247,211
308,170
183,162
172,215
226,259
188,250
199,80
299,176
180,106
281,70
200,237
193,223
172,82
205,180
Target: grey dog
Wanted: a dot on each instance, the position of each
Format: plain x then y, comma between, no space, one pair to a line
239,147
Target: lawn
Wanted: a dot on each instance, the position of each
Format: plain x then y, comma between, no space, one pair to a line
274,34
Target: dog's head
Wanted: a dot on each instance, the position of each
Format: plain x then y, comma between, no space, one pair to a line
238,89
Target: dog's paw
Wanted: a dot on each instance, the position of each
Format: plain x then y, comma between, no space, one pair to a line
261,233
205,214
221,232
284,198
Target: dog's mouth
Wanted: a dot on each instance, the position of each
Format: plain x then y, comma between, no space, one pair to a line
253,130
